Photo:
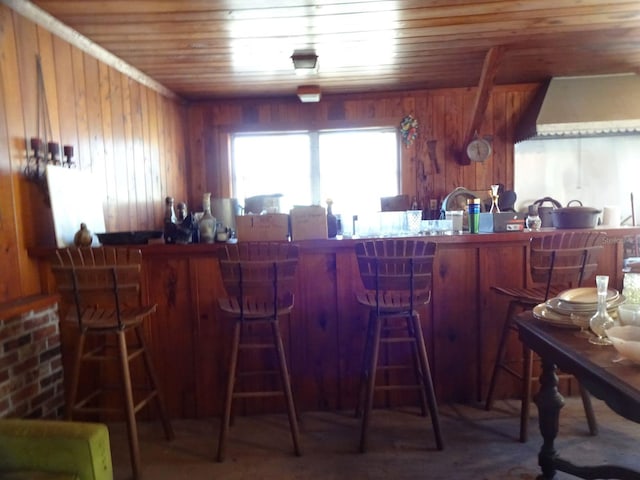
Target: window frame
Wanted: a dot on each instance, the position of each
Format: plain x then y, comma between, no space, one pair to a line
314,153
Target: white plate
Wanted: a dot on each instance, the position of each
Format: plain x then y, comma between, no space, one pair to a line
541,312
567,308
586,295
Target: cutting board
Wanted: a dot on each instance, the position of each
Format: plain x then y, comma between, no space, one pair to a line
77,197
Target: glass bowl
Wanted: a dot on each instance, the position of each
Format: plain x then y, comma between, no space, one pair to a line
626,340
629,314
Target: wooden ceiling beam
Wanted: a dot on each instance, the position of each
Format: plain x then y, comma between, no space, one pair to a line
489,70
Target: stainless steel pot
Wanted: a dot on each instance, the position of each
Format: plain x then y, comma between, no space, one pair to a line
575,217
545,211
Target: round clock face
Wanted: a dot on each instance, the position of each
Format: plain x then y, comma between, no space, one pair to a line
478,150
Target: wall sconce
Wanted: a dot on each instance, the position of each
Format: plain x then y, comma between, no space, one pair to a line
309,93
305,62
43,153
41,156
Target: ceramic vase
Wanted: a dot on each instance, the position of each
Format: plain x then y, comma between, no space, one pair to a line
207,223
83,237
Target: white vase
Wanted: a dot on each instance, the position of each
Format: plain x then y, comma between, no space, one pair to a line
207,223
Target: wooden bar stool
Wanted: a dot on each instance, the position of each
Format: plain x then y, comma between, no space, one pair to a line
100,287
557,261
397,278
259,279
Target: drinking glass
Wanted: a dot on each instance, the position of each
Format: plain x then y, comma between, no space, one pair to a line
414,218
456,219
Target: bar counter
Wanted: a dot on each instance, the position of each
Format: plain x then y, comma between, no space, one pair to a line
189,338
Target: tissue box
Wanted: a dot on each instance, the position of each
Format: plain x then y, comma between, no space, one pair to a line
308,223
270,227
502,222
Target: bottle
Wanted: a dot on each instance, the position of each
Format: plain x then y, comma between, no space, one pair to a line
184,225
332,221
169,221
207,224
182,212
473,206
533,222
169,212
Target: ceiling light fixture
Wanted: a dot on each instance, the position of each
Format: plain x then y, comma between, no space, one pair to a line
305,62
309,93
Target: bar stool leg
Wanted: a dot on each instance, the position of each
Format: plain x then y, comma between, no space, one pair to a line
371,381
428,382
166,425
417,366
286,385
364,373
502,347
224,425
75,375
132,428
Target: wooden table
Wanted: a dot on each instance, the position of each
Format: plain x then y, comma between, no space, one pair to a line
617,384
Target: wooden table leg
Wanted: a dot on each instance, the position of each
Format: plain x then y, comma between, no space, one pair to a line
549,402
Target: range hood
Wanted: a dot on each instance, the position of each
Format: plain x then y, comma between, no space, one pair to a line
589,106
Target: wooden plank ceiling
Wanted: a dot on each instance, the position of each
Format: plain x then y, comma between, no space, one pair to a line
239,48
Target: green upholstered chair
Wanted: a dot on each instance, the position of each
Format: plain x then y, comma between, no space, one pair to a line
54,450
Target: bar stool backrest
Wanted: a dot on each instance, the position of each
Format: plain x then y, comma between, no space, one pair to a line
98,283
565,258
259,276
397,271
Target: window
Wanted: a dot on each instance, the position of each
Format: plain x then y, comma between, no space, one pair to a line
352,167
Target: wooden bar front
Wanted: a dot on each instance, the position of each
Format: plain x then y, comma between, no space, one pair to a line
190,338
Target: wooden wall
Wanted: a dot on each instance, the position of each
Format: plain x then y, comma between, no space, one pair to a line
130,135
146,145
443,116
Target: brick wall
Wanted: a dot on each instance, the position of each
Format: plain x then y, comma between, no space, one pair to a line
31,378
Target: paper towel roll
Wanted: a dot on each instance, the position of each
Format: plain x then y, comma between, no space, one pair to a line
611,216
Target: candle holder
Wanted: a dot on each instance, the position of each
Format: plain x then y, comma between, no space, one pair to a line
41,154
36,161
68,155
54,153
494,199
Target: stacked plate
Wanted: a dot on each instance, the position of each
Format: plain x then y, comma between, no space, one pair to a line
573,308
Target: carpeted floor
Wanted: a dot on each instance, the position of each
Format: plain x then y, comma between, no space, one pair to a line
478,445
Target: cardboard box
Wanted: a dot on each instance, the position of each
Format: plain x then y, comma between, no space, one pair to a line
308,223
502,222
269,227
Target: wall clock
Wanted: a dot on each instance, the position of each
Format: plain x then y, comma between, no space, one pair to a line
478,150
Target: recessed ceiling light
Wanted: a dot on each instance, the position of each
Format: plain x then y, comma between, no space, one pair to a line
309,93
